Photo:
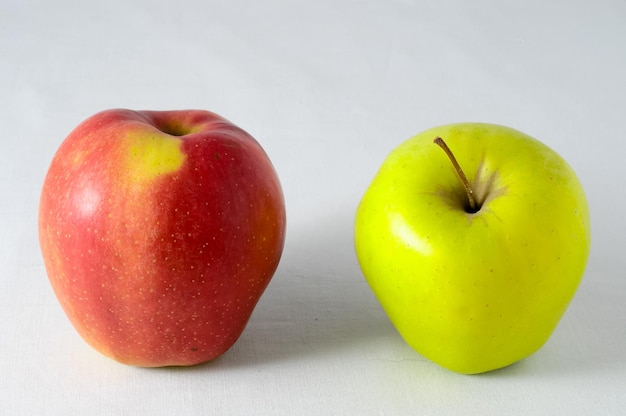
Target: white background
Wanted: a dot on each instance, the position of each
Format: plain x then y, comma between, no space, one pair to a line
328,87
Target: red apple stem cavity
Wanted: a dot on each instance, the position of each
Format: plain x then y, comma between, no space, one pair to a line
466,184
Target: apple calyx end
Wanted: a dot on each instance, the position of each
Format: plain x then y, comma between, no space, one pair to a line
472,207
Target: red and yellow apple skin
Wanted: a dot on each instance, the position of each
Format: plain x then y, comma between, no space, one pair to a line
474,291
159,232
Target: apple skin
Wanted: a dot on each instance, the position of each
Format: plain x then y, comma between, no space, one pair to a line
474,292
159,231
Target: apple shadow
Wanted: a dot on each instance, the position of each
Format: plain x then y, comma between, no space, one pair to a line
317,304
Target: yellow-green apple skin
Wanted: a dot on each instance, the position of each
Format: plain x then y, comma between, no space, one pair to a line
159,231
478,291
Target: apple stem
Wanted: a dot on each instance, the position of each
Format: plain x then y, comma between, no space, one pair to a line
466,184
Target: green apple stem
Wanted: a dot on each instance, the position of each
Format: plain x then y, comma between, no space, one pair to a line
466,184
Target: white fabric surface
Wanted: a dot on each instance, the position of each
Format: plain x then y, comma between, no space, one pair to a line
328,87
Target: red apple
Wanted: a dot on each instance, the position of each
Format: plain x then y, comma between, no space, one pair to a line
160,231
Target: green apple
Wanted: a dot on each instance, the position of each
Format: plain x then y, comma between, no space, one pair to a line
474,286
